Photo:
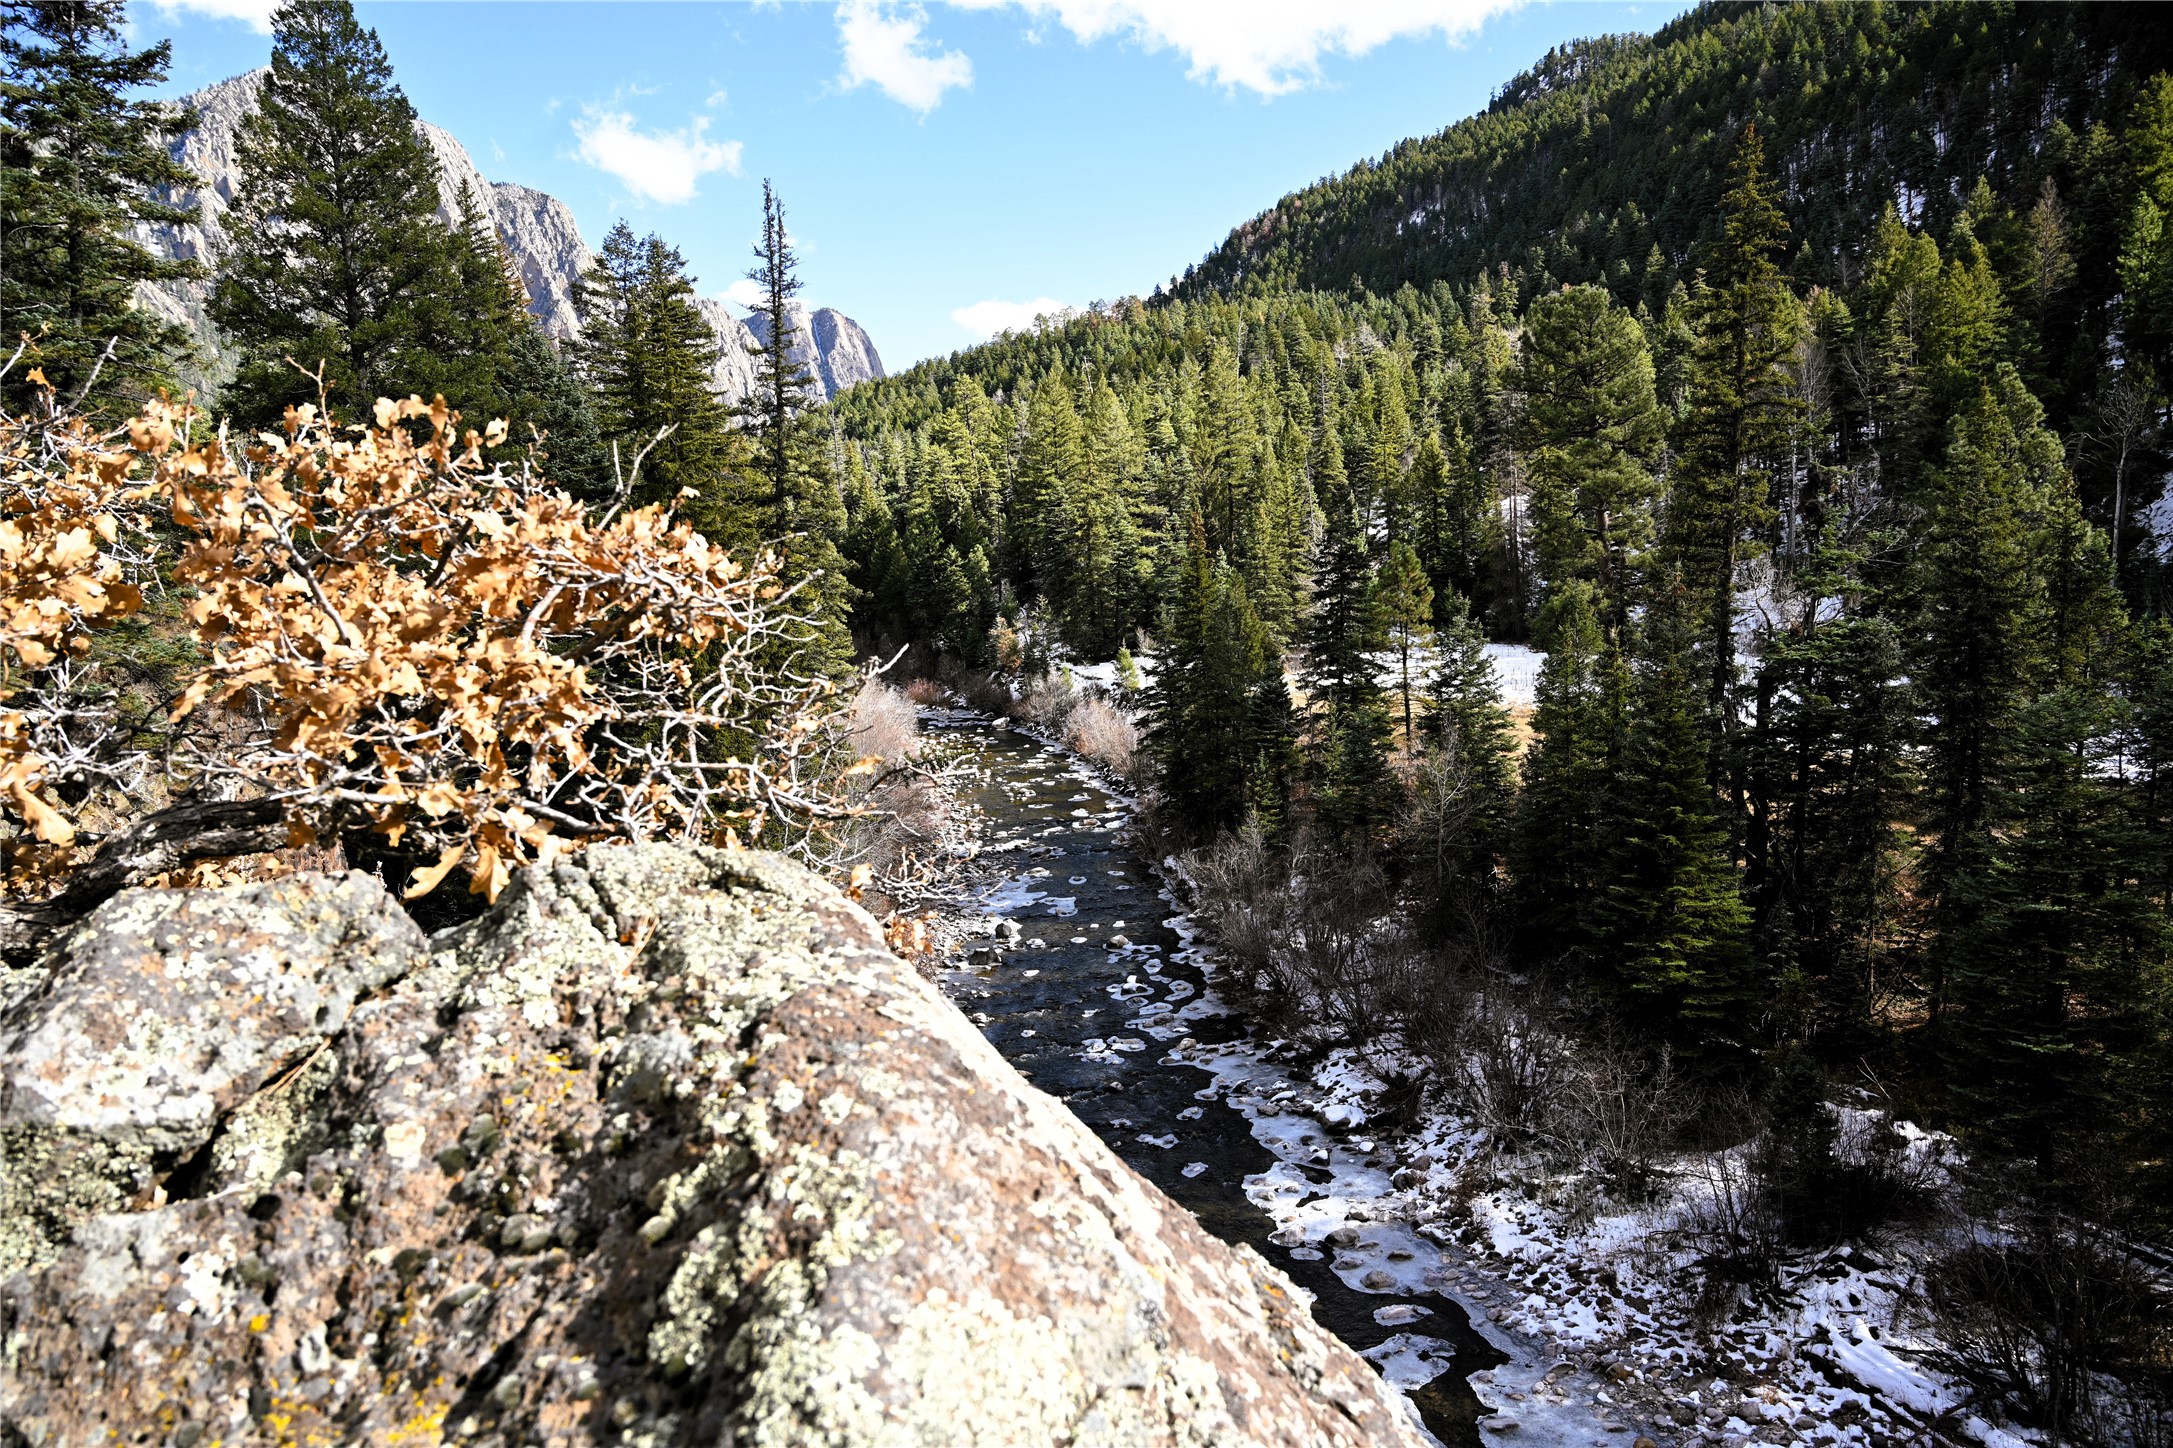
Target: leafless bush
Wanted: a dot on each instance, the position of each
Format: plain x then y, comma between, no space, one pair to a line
925,692
2059,1318
985,692
1622,1109
1513,1066
1303,933
1239,884
882,724
1047,703
1103,733
1730,1221
901,824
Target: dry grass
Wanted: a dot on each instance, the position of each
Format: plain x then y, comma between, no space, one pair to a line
1100,731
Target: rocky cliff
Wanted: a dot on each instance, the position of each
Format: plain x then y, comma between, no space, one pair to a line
666,1148
829,344
538,229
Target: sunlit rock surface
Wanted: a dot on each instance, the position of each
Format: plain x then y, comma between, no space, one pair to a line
666,1148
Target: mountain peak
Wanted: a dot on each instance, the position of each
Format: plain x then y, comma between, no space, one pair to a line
538,229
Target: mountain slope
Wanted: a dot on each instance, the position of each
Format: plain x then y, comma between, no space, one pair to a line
538,229
1614,146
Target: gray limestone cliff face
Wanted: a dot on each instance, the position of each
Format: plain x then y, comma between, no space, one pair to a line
829,344
538,229
734,375
664,1149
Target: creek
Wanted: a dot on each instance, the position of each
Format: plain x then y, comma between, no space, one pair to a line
1092,983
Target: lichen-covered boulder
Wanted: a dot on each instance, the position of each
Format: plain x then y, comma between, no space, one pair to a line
167,1011
666,1149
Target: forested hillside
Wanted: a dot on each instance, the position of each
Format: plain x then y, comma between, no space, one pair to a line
1793,379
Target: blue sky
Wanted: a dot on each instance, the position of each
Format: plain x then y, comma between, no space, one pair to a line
946,168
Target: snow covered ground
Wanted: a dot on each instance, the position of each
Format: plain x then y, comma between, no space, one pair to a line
1516,671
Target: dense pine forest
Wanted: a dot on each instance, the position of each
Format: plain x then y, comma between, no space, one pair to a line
1791,378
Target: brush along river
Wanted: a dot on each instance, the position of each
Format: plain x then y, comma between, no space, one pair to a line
1086,974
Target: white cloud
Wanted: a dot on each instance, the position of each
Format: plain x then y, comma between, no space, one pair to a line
745,292
256,14
986,319
884,48
659,165
1269,46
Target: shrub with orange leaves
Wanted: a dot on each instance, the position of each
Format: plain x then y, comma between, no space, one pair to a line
66,570
418,639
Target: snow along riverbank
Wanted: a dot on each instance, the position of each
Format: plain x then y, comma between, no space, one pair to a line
1595,1309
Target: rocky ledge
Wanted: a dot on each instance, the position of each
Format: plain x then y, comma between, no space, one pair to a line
665,1149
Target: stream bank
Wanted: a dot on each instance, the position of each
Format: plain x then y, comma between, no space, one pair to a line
1082,968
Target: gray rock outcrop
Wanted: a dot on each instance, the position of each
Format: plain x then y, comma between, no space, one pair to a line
666,1148
829,344
538,229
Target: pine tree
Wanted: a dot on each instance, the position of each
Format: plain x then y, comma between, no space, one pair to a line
649,357
1826,772
1052,461
1578,722
1668,929
1404,601
1212,722
2050,947
541,391
336,255
1739,420
1977,632
1469,771
2146,244
1592,427
1357,790
875,557
1455,528
477,344
79,163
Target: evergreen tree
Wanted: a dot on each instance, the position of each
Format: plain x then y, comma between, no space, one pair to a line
1591,429
1357,790
1213,727
2051,949
1052,461
1978,632
335,251
469,323
1404,600
1827,777
79,163
1577,719
1455,528
1669,931
876,560
1470,765
541,391
649,357
2146,244
1741,410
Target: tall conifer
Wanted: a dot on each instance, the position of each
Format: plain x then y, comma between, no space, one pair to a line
80,158
335,251
1740,412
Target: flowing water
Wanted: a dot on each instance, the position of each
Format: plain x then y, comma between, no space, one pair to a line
1092,986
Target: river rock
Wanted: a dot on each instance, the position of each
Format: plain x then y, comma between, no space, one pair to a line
665,1148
